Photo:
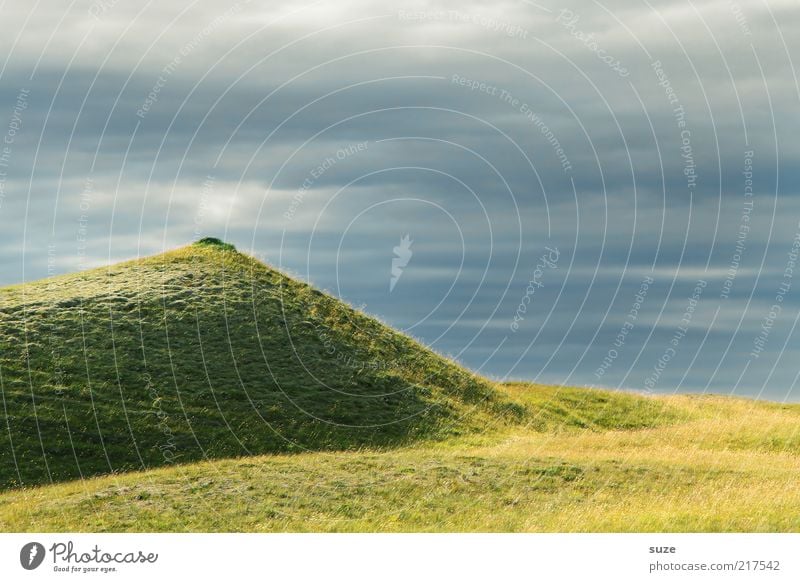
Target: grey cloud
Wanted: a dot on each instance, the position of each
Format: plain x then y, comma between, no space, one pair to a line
378,74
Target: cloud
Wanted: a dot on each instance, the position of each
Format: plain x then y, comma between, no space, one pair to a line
489,132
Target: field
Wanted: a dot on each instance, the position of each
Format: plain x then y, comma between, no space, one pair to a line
711,464
186,395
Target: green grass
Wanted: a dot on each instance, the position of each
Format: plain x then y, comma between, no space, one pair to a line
203,391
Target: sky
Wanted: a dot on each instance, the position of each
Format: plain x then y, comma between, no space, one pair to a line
593,193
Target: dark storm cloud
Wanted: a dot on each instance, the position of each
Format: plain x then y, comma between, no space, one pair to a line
318,135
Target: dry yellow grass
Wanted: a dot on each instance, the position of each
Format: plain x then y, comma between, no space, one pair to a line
698,464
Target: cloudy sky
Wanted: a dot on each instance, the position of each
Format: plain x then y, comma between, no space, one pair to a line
594,193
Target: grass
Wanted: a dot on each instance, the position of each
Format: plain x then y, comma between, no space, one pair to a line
714,464
203,391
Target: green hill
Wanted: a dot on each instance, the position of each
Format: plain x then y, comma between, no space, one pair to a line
204,352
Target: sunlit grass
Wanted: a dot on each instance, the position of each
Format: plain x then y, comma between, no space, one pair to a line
695,474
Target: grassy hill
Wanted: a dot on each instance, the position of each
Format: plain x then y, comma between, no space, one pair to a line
200,390
202,353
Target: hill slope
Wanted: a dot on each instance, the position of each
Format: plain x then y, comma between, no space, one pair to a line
204,352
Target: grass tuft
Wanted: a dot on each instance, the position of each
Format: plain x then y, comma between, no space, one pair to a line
215,243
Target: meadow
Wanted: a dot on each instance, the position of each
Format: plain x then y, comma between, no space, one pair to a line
203,391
